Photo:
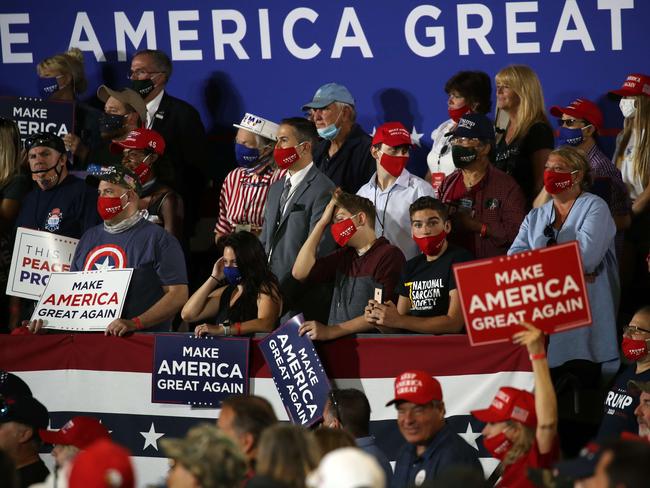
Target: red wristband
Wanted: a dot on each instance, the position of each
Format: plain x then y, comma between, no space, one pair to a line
238,328
138,323
483,232
534,357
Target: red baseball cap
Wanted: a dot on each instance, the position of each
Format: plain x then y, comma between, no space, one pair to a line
635,84
510,404
392,134
140,139
417,387
78,431
103,465
581,108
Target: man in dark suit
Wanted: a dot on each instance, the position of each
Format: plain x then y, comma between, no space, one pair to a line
296,202
178,122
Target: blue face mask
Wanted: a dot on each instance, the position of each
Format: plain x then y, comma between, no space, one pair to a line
47,86
570,137
331,131
246,156
233,276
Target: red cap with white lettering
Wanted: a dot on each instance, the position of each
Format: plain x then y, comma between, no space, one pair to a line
635,84
510,404
417,387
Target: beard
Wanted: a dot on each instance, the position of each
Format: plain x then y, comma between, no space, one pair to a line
644,431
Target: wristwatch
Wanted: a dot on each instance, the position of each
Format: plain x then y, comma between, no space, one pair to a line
226,330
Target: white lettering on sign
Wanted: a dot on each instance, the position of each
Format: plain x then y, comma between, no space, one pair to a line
8,38
123,29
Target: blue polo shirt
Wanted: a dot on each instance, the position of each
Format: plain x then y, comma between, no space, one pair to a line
446,449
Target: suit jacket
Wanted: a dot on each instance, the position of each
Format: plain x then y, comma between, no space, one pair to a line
305,207
185,141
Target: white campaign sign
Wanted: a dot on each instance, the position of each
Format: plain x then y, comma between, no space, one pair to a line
36,255
83,300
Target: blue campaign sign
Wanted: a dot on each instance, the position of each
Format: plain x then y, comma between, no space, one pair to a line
297,372
231,57
201,371
34,115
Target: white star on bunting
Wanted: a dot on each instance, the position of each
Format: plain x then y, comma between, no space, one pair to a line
415,137
151,437
470,436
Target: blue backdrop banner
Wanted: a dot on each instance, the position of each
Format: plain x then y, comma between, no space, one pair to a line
200,371
269,58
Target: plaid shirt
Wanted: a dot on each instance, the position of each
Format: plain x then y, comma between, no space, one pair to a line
497,200
614,192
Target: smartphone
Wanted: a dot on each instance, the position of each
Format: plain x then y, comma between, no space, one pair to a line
379,295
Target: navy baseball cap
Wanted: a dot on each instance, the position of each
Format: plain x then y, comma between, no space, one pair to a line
47,139
12,385
474,126
329,93
25,410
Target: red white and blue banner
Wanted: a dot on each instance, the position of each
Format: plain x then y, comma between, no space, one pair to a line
110,378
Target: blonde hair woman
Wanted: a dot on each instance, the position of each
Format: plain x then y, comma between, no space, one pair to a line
524,135
62,78
632,157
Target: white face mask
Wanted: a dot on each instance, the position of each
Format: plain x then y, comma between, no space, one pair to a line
627,107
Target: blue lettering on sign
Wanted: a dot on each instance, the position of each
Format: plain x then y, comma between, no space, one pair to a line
199,371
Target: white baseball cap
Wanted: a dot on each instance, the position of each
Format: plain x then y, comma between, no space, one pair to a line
258,125
348,467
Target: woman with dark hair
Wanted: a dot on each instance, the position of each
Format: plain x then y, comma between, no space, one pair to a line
468,91
241,296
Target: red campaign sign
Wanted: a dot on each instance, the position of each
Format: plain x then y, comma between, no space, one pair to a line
545,287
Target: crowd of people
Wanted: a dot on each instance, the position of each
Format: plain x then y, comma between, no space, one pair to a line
322,219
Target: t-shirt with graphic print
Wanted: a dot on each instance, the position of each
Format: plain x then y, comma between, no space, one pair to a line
427,283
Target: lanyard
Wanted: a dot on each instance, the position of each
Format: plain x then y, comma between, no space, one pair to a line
383,221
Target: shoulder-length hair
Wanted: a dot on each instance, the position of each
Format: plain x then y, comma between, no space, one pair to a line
640,125
524,82
10,151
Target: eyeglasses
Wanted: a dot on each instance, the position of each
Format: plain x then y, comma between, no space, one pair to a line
571,122
633,329
550,233
139,73
335,404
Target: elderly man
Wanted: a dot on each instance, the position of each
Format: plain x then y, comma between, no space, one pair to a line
642,411
243,419
344,153
205,457
487,205
178,122
432,447
21,419
77,434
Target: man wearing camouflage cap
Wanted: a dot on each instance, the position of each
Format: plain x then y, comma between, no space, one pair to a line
126,239
206,457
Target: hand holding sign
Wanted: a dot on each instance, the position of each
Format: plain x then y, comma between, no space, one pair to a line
315,331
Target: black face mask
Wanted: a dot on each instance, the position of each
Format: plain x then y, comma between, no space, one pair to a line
463,156
143,87
110,122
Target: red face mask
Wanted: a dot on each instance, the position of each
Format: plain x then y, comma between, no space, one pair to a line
285,156
143,170
555,182
634,349
431,245
393,164
456,113
109,207
343,231
497,445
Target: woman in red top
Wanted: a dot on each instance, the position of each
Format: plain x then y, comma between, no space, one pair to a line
521,428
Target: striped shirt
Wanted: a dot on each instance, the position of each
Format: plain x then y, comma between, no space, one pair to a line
243,197
614,191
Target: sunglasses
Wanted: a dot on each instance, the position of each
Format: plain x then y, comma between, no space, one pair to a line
41,140
550,233
571,122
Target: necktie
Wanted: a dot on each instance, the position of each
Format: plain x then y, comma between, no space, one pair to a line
283,198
